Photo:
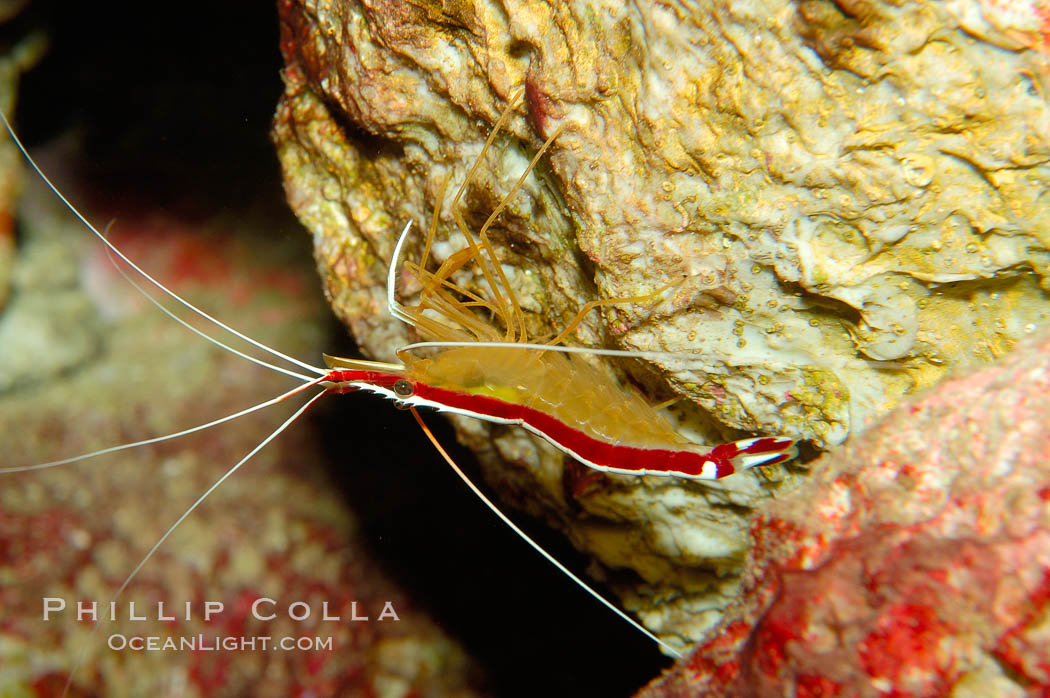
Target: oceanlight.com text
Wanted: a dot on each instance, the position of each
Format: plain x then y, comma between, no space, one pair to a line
217,643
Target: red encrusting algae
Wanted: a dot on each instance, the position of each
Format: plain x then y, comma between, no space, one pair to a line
915,562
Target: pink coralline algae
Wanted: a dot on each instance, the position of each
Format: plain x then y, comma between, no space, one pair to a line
916,562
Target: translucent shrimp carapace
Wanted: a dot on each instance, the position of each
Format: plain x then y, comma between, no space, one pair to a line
561,398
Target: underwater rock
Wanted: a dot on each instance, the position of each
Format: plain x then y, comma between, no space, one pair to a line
914,562
844,197
13,62
49,326
10,181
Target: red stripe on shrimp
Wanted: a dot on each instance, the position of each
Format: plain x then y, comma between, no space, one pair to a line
709,465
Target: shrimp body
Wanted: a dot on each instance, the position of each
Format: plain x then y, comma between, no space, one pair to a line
487,368
563,399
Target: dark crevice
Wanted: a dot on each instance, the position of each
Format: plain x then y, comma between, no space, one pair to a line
822,304
371,146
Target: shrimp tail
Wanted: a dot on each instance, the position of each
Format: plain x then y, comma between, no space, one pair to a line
750,453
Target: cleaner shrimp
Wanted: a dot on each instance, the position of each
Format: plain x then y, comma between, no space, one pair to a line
434,374
76,518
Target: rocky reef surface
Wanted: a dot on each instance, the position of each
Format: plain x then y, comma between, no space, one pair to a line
914,562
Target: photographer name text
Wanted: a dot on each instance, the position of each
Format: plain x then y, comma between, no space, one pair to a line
263,609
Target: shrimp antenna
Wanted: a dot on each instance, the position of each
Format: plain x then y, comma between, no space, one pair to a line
560,348
73,209
166,437
191,328
192,508
536,546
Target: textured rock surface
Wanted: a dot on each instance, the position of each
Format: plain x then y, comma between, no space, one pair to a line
12,63
914,562
277,529
851,191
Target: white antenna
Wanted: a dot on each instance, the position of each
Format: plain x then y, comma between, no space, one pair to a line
116,251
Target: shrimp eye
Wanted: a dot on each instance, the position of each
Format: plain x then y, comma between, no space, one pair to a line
403,388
